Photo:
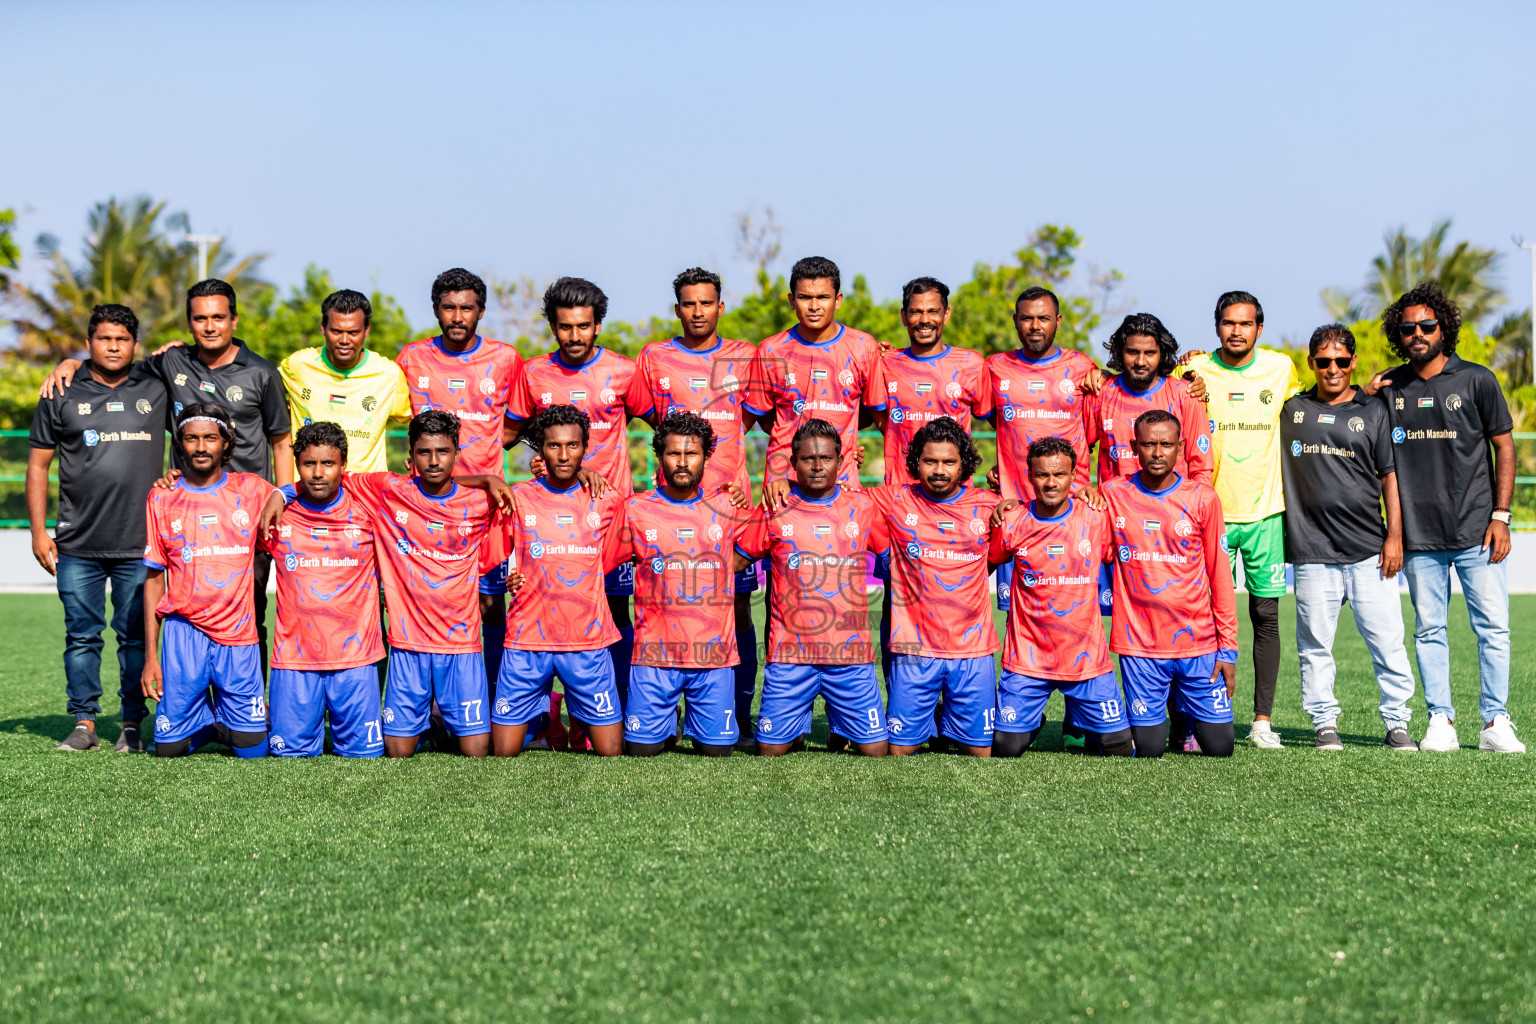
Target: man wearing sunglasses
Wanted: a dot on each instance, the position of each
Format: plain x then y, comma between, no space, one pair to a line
1338,464
1445,414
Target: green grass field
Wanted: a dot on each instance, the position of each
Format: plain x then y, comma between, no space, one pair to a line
1276,886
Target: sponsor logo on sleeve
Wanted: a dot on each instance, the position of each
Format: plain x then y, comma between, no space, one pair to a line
1204,444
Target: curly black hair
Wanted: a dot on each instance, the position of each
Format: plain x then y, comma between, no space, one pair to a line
681,423
1151,326
323,434
215,412
943,430
1048,446
574,293
113,313
815,428
458,280
556,416
433,423
1426,293
692,276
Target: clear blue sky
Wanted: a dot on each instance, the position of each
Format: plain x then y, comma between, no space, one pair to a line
1197,147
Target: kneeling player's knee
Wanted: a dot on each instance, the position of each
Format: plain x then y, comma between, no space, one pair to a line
712,749
173,748
633,749
246,739
1012,744
1117,744
1216,738
1150,740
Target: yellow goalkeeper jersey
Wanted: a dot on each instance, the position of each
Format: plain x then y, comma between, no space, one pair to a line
362,401
1244,411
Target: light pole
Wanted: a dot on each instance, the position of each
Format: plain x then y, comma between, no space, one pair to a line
203,242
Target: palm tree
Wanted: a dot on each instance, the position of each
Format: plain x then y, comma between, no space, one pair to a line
130,260
1465,271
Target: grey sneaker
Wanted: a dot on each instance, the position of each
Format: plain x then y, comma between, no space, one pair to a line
80,738
1398,739
129,741
1328,739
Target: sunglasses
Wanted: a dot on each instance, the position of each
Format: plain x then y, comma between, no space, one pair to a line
1327,362
1407,328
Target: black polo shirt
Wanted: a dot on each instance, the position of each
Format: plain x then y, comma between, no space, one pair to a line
1332,459
111,448
248,387
1442,428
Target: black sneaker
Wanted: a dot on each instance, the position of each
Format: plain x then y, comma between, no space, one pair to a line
81,737
129,741
1398,739
1328,739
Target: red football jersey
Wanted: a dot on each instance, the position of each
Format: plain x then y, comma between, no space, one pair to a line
818,610
1032,399
797,381
1111,421
940,607
1172,580
431,557
327,586
685,592
475,385
606,389
562,542
205,540
1054,628
921,388
712,382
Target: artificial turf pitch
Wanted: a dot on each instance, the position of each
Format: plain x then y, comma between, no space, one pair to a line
1294,885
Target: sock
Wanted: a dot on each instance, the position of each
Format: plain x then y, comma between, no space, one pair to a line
746,673
491,640
248,744
622,651
1265,615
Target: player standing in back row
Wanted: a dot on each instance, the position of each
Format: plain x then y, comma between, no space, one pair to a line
703,373
1247,386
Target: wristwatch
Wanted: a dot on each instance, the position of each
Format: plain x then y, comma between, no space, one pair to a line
1501,515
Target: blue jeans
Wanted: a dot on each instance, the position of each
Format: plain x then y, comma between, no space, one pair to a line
1321,590
1487,592
82,586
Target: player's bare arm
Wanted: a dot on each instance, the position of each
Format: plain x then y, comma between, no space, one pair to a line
1496,537
1391,559
43,548
154,589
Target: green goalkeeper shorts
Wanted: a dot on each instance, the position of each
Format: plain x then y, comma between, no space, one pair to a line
1262,545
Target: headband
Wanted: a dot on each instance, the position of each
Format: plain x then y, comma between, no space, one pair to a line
202,419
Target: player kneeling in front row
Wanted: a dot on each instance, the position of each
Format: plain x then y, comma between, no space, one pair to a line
328,639
1174,623
942,639
683,543
1055,633
561,538
200,551
818,613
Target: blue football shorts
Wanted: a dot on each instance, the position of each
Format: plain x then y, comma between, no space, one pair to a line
191,666
969,688
456,681
300,701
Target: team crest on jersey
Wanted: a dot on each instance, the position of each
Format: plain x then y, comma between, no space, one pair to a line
486,386
632,723
1452,402
594,520
1138,706
233,393
1010,713
1183,528
896,726
456,383
317,532
845,378
977,527
402,517
209,519
181,380
850,530
729,382
162,724
368,403
1066,387
1357,424
716,532
352,531
143,406
114,407
465,528
564,519
765,724
1204,444
83,408
1298,416
278,743
818,375
953,390
685,533
1266,396
389,715
922,387
503,706
608,395
1083,547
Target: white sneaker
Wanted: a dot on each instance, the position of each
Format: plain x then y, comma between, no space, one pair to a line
1441,735
1263,737
1500,737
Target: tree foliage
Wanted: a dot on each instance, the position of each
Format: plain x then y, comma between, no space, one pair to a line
274,328
1466,272
10,254
131,259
